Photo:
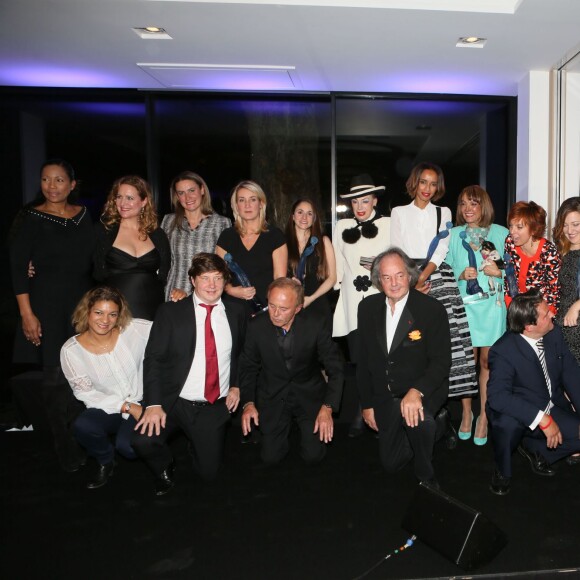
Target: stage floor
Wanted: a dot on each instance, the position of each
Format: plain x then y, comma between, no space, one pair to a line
332,521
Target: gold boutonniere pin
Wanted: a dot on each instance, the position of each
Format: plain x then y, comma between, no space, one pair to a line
415,335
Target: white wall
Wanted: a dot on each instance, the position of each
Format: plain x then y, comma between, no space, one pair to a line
533,147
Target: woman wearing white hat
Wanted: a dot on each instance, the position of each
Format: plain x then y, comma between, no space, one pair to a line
357,241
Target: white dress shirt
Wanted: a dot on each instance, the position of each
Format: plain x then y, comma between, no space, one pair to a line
533,342
194,387
393,318
413,229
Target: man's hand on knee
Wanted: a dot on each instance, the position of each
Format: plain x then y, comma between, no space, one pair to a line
152,421
250,413
412,408
324,425
369,418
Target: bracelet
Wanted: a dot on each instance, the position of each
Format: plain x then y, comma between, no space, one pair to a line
549,423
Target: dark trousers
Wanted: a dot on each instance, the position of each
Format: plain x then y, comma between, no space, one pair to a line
205,427
275,424
93,429
61,410
507,433
399,444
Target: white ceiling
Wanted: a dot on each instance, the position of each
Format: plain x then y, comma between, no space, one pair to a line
295,45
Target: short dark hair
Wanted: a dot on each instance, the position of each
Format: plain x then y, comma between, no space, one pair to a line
412,183
288,284
410,266
523,310
206,262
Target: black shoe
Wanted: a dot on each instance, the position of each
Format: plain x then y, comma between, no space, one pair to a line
444,426
500,485
102,477
573,460
537,462
432,483
164,481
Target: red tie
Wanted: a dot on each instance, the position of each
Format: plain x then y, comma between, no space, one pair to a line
212,375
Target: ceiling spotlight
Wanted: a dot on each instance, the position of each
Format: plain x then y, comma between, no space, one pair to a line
341,208
471,42
152,33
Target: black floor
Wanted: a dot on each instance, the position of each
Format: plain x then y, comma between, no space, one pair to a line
334,521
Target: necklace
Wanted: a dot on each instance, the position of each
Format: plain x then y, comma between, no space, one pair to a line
104,347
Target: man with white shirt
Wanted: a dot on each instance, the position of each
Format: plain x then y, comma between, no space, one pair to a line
534,381
403,369
190,374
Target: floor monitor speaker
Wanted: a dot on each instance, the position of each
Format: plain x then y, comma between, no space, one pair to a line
458,532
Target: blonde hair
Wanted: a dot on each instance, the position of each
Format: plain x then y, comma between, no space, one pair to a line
259,192
148,217
80,317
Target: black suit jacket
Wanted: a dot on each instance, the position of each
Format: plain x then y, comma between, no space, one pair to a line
171,347
420,355
517,386
264,378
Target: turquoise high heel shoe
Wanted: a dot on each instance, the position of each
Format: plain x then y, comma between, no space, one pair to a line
465,435
479,440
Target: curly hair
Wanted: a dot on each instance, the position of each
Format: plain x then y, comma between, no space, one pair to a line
533,216
259,192
292,240
148,218
568,206
412,183
80,317
206,208
478,194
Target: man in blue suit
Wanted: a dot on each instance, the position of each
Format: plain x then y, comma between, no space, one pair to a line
534,381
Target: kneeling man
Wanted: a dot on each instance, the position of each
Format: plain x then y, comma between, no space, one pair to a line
281,375
190,374
534,381
403,366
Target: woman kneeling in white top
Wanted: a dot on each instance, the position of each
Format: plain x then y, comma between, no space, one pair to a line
104,366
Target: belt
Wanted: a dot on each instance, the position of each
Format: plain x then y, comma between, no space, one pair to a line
201,403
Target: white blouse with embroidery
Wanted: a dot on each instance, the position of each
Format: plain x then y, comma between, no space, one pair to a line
105,381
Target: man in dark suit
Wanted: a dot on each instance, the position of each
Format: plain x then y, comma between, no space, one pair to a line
403,366
184,386
534,381
281,378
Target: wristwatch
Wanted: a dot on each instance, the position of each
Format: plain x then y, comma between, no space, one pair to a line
127,407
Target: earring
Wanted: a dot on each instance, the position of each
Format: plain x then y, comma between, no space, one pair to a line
141,213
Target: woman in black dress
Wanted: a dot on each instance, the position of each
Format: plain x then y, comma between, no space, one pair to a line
133,253
258,248
320,268
56,236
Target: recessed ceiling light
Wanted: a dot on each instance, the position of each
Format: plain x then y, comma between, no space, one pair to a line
152,33
471,42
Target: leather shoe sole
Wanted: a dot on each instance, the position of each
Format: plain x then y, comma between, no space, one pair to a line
537,462
573,460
